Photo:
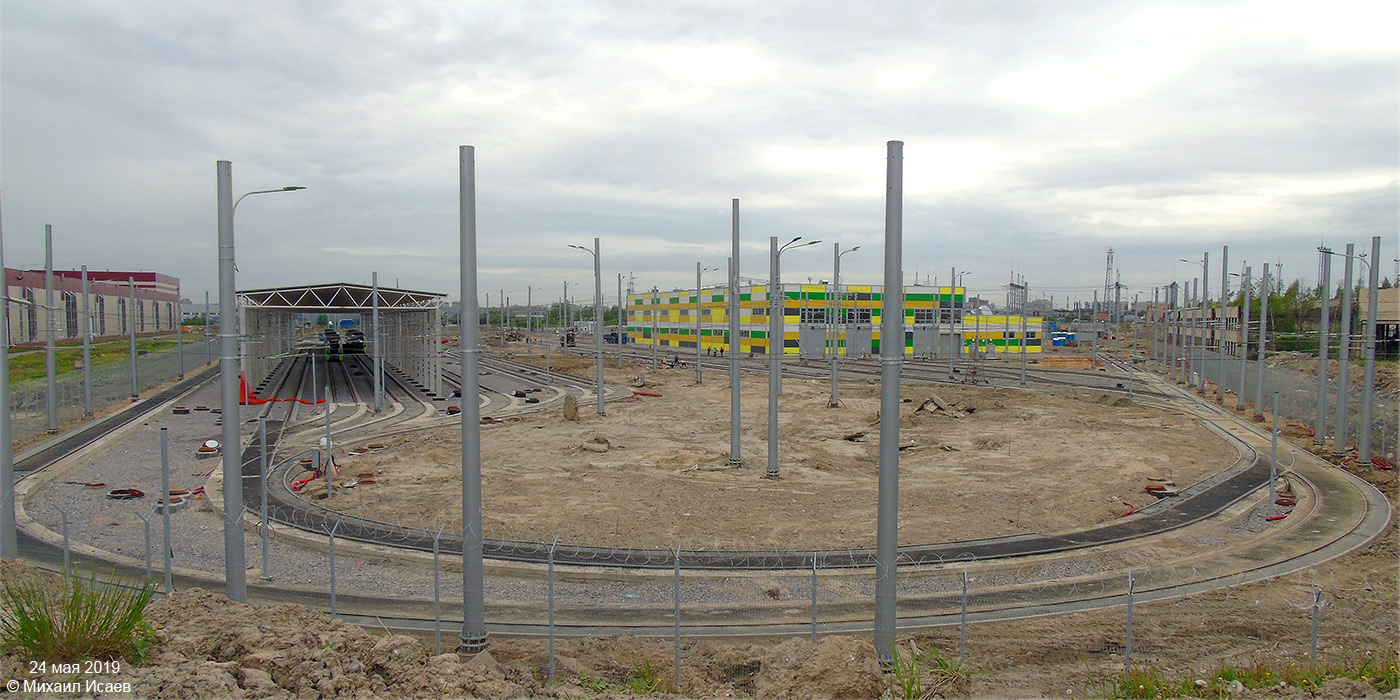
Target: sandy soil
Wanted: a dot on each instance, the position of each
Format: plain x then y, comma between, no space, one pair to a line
996,462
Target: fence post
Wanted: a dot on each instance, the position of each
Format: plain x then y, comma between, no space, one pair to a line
1128,645
1316,617
437,595
165,510
331,551
962,622
676,595
146,522
552,547
262,455
63,513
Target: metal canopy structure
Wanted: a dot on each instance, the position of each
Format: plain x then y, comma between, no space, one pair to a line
337,298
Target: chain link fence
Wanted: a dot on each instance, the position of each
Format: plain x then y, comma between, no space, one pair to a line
111,384
1299,395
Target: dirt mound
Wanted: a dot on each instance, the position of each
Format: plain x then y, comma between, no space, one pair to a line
211,645
837,667
1066,362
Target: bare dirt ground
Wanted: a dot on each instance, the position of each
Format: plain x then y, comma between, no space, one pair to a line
654,471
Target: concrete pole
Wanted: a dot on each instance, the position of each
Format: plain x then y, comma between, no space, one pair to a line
621,319
1202,342
1220,323
775,349
180,330
1339,438
654,340
598,323
1094,343
235,577
1247,286
131,334
9,531
530,321
473,637
698,311
50,365
1368,388
378,365
208,346
1263,343
836,309
735,457
86,330
1320,424
502,318
891,357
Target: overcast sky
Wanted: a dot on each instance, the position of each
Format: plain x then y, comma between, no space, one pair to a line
1037,135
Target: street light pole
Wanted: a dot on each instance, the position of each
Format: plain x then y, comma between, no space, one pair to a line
9,530
891,357
835,319
1320,429
735,458
776,303
235,576
597,320
699,311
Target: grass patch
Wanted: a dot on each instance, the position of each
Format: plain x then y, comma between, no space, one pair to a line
1376,670
70,619
28,365
924,674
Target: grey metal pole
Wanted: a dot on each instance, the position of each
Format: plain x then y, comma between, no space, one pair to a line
180,331
131,327
1220,324
502,302
437,592
1368,373
165,512
698,311
262,483
50,365
87,349
328,467
530,323
235,577
1263,343
814,599
621,319
9,531
1094,343
1273,460
891,356
735,458
1023,343
473,638
1320,424
962,621
330,552
598,323
1339,438
1202,343
835,329
1248,287
208,347
775,349
654,340
374,339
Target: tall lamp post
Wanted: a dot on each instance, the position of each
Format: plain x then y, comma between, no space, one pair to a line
1368,354
957,282
597,318
835,318
235,577
698,317
9,530
1198,342
775,343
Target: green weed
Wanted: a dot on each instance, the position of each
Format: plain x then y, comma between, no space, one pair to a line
74,620
1378,671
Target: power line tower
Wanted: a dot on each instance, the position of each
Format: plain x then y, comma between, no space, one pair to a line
1108,281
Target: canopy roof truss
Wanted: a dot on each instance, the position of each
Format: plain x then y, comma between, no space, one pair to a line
338,298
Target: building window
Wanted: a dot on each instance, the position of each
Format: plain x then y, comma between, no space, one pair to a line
121,312
810,315
31,315
70,314
101,315
141,316
923,315
855,315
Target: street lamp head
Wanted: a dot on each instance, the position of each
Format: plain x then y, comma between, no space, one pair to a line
292,188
